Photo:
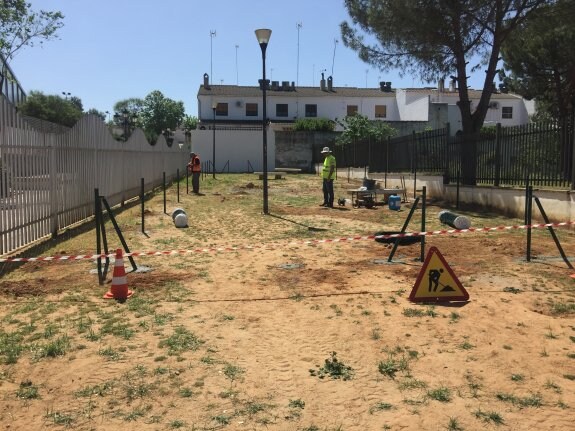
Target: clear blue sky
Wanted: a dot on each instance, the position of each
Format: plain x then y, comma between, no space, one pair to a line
110,50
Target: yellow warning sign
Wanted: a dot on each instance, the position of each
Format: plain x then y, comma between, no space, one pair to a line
436,281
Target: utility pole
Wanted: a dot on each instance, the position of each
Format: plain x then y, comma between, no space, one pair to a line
237,75
212,35
298,26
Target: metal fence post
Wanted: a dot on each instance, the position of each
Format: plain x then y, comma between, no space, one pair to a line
497,155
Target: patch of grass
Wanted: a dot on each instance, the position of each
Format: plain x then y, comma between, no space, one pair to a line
27,391
333,368
180,341
380,406
177,424
413,312
410,383
491,416
534,400
53,349
11,347
336,309
453,425
117,329
296,404
466,345
562,307
375,334
553,386
517,377
222,419
60,418
441,394
110,354
454,317
100,390
569,376
233,372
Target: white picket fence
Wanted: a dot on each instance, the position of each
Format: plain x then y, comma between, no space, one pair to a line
47,180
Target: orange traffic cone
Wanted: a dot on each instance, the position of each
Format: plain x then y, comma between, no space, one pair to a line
119,289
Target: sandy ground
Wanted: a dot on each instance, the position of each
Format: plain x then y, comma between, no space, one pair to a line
249,339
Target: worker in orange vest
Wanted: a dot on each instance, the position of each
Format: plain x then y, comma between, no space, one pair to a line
195,168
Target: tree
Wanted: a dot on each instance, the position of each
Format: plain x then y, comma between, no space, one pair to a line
159,114
314,125
358,127
94,111
541,60
51,108
439,38
190,123
20,26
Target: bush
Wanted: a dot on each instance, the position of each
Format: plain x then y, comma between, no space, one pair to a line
314,125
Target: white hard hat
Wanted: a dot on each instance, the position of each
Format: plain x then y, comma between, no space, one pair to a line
325,150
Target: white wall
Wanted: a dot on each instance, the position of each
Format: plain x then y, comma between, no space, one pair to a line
236,146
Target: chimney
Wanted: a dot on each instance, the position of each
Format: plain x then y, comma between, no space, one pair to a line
206,81
441,85
452,85
388,87
382,85
329,83
322,82
293,86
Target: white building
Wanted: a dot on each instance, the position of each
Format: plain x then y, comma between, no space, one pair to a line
242,105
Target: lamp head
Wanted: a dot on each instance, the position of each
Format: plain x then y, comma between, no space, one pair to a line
263,35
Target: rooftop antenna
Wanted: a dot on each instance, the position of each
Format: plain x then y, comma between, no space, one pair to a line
298,26
366,72
212,35
237,76
335,42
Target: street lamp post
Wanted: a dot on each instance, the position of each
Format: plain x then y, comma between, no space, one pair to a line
214,106
263,35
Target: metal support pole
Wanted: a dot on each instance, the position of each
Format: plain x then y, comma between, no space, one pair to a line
552,231
142,201
528,208
97,215
164,189
178,183
398,239
423,204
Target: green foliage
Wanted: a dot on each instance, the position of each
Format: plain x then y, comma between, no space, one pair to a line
435,39
190,123
51,108
94,111
20,26
314,125
359,127
160,113
333,368
540,59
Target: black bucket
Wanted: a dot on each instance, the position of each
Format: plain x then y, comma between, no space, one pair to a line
369,184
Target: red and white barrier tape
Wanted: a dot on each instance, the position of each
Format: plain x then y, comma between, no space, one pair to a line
272,247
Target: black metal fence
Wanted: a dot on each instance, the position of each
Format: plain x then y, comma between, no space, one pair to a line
538,153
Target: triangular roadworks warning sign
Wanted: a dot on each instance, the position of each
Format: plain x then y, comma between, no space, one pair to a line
436,281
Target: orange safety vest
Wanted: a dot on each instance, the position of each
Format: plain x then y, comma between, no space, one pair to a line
195,165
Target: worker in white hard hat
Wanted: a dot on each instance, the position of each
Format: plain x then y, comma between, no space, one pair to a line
328,175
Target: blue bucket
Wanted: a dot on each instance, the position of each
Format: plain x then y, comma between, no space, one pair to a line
394,203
